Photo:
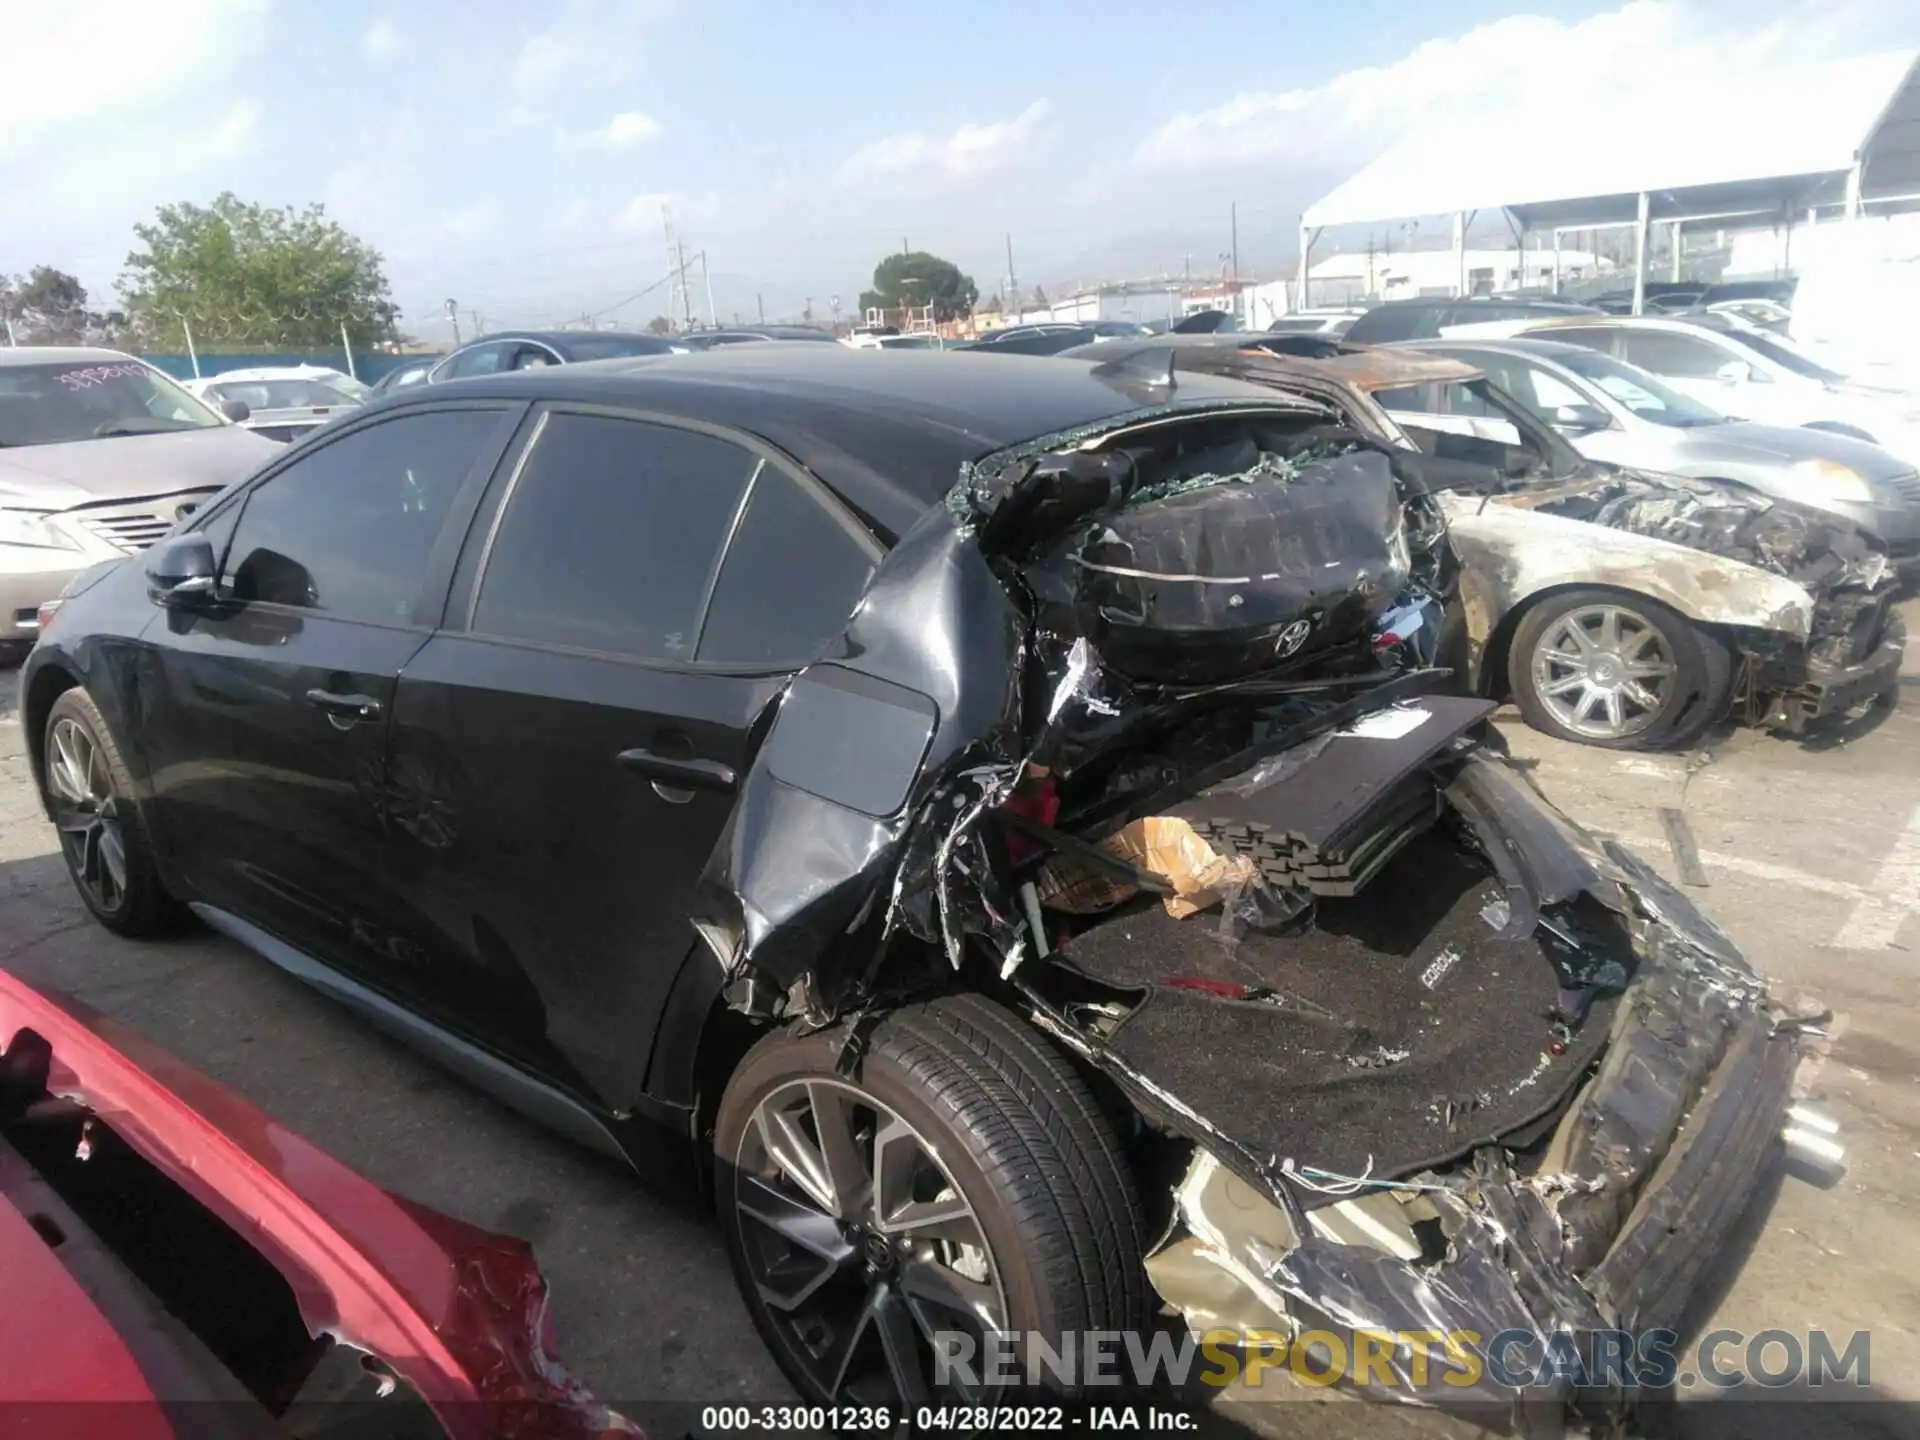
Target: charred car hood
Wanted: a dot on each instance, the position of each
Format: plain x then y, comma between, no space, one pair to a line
126,467
1810,547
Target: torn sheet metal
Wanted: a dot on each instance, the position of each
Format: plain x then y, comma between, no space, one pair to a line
928,673
1052,611
1642,1177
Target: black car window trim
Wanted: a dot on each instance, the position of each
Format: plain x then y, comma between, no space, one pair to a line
767,456
438,576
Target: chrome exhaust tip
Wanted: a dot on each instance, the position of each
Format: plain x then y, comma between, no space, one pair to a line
1809,1136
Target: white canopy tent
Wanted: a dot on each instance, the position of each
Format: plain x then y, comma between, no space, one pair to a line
1841,136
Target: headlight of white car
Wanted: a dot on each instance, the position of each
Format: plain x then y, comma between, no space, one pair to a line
32,528
1830,480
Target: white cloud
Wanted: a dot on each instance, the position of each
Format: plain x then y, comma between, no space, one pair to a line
381,42
629,127
1518,61
969,152
233,134
624,131
644,212
55,53
544,60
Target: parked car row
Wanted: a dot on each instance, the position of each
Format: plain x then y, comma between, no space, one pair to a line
877,667
1616,604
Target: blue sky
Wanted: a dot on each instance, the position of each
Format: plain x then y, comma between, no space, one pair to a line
516,157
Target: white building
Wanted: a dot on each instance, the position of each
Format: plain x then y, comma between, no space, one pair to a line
1137,300
1405,274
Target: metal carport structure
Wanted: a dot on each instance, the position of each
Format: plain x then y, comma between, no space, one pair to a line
1841,136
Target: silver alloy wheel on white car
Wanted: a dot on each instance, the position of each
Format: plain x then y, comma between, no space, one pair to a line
859,1241
1603,671
86,813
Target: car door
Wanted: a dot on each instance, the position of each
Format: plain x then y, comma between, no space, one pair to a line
571,739
265,710
1691,364
1583,417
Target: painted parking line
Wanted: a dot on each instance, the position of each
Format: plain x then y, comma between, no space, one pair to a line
1893,896
1650,844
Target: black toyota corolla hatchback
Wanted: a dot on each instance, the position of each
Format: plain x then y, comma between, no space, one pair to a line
998,825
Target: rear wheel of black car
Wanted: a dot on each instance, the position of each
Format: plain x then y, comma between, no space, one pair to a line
1608,668
962,1180
103,836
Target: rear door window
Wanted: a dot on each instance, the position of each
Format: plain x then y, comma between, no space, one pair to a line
1664,352
610,537
480,360
790,581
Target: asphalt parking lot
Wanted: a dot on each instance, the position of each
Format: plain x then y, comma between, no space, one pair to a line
1812,850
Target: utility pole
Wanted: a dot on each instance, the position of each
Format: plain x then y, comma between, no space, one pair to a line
666,225
453,319
686,290
712,322
1234,221
760,304
1013,280
807,314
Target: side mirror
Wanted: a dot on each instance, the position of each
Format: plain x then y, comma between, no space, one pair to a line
1580,418
1734,372
235,410
181,572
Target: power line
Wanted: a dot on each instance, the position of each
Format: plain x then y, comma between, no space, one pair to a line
637,295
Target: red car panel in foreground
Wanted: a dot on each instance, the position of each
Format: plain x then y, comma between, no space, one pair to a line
170,1257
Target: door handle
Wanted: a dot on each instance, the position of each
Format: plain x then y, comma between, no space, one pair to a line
344,708
683,774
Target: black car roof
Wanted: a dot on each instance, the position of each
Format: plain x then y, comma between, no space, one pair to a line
888,429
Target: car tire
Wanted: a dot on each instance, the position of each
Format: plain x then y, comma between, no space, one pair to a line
1000,1186
1636,650
103,834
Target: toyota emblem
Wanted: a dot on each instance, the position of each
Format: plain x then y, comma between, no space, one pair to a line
1289,640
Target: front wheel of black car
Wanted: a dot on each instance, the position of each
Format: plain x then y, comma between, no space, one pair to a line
962,1180
1621,671
103,837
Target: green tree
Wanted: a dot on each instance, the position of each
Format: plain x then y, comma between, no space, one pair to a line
659,325
45,306
244,274
917,278
1039,298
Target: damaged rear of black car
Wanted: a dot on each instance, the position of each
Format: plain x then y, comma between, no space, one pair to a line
1129,897
1125,919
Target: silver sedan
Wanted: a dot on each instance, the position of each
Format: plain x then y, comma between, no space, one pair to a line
1615,412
